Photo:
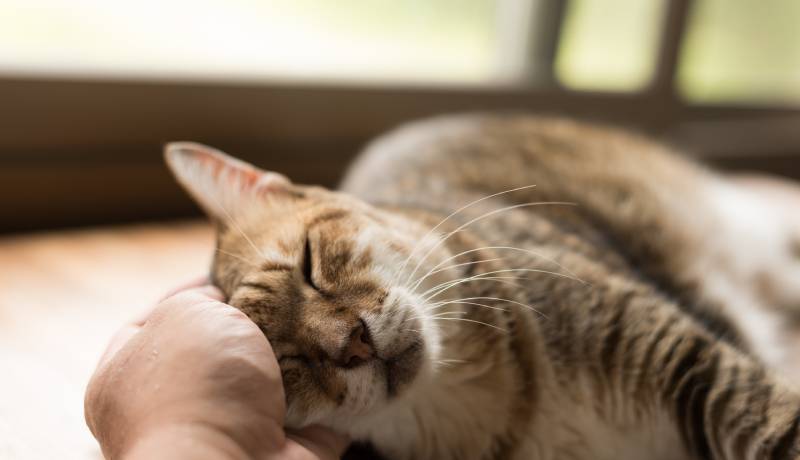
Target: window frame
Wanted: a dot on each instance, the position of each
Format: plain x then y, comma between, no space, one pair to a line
88,151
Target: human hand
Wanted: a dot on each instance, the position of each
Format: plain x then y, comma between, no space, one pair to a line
195,378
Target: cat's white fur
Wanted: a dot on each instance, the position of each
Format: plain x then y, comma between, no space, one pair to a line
752,240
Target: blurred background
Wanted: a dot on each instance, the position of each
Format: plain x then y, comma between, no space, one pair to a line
91,89
93,226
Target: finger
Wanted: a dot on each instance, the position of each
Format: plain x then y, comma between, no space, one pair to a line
322,442
118,341
141,318
194,282
183,299
202,294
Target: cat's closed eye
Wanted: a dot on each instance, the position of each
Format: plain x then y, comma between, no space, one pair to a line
308,268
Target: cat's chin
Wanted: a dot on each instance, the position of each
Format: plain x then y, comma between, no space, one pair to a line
374,387
406,344
402,369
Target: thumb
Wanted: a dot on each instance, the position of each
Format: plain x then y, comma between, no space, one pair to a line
118,341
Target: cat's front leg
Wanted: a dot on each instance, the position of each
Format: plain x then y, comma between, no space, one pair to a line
659,376
725,404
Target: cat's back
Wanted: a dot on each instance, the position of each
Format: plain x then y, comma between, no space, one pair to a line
495,152
636,200
640,199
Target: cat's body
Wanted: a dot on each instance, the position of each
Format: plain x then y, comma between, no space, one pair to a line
617,310
662,258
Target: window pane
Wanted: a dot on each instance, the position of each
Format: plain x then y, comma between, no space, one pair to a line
416,40
742,50
609,44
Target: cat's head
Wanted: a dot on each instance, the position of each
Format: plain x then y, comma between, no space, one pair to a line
325,276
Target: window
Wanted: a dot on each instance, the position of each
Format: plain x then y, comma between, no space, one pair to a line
91,89
742,51
359,40
733,50
609,44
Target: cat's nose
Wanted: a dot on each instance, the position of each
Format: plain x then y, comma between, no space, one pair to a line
359,348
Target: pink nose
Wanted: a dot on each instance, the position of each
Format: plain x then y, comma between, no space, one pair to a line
358,348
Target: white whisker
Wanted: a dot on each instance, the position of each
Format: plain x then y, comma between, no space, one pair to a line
237,256
236,226
449,284
435,315
499,299
481,217
427,295
460,302
507,270
413,251
451,360
433,271
445,314
472,321
511,248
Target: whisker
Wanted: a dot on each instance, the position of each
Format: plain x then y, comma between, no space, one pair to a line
452,360
435,315
472,321
413,251
433,271
399,272
499,299
236,226
497,279
466,301
511,248
444,303
237,256
449,284
460,302
481,217
507,270
458,280
445,314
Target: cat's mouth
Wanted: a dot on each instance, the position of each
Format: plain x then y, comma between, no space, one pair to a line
402,368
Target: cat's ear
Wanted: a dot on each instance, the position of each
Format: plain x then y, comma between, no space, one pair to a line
222,185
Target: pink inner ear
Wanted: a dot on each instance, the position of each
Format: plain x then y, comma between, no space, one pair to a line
220,184
247,177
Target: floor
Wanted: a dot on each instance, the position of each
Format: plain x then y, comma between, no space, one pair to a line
62,296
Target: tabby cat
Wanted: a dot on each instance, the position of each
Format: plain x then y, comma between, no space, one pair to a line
515,287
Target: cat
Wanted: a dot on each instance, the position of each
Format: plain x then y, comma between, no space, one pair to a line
510,286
